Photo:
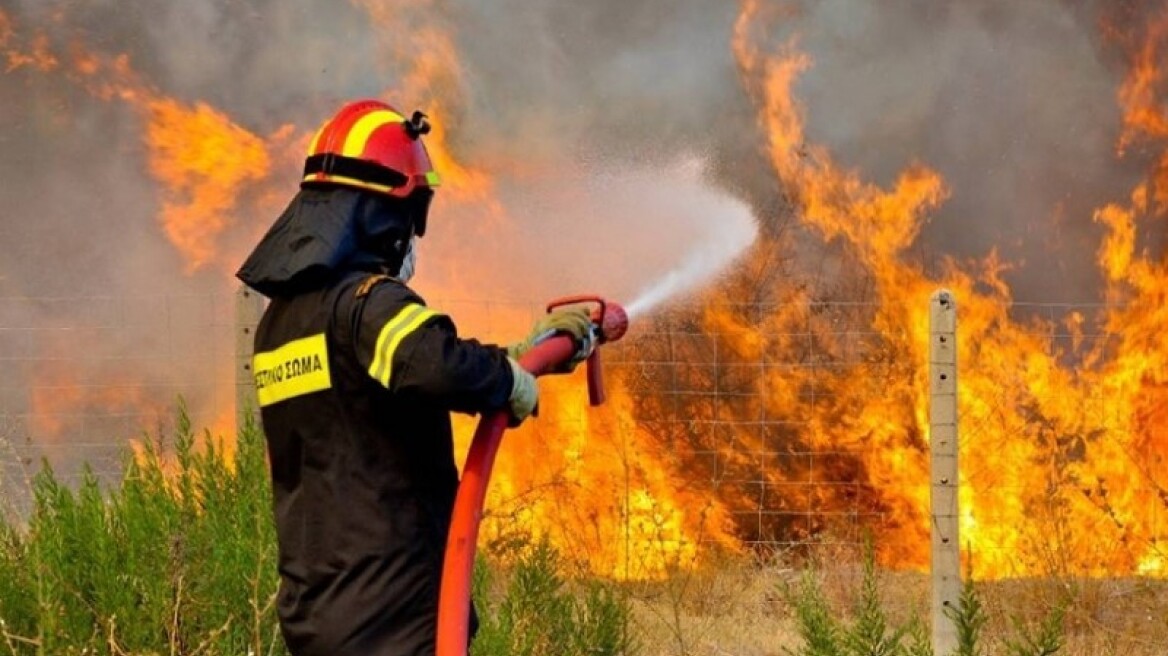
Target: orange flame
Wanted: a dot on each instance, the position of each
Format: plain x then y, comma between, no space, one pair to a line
1062,462
60,399
37,56
592,482
204,161
598,486
1049,481
1141,97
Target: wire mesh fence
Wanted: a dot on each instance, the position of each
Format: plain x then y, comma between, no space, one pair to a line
86,374
744,408
800,423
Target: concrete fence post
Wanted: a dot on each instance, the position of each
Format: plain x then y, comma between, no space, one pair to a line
946,551
249,306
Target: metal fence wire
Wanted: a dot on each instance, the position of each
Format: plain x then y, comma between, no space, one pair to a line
86,374
805,423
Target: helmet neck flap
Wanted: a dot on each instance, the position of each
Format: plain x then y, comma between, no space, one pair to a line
365,195
327,232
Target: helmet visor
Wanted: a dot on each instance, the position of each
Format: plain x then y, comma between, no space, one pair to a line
418,206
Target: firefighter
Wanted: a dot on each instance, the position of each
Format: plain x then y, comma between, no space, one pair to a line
356,378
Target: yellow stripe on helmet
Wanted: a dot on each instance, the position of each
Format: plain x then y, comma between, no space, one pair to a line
359,134
315,143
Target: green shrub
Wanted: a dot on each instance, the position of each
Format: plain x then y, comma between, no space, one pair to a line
865,631
869,633
1045,639
969,618
535,612
179,558
174,559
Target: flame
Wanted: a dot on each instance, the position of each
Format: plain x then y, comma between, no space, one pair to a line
1063,448
204,162
36,56
1049,482
61,399
210,171
1141,98
598,486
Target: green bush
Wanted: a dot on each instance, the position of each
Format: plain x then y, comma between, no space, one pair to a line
535,612
867,631
163,563
179,558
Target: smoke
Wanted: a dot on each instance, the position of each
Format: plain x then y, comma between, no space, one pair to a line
580,113
1014,104
639,234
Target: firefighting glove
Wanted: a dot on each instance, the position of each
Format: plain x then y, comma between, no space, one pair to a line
524,394
574,321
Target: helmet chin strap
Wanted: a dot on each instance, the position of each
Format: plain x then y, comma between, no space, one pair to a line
410,261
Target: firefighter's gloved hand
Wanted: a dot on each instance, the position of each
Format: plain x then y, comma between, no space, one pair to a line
524,394
574,321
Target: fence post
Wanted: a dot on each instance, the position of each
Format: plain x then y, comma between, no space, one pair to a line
249,306
946,552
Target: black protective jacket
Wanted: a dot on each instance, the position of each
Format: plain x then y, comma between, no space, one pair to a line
356,381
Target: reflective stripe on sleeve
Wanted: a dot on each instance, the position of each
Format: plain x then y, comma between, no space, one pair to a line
297,368
392,333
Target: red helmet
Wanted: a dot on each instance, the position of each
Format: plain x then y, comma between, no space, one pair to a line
369,145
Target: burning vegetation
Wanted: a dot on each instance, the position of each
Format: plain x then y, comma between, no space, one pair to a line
783,402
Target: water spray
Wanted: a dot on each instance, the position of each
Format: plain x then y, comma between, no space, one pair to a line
676,281
697,268
609,323
734,230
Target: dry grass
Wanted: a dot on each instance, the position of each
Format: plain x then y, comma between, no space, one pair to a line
737,608
1128,617
729,609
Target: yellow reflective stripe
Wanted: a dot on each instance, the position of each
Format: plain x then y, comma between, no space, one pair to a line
297,368
352,182
359,134
316,140
432,178
387,331
392,333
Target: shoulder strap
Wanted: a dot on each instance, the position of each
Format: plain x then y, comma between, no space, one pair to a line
369,283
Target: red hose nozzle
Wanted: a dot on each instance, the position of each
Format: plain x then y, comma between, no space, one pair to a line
612,322
610,318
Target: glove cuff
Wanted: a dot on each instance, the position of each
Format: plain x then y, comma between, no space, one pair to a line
524,392
515,350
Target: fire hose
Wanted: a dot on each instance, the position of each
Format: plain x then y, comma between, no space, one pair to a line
609,323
